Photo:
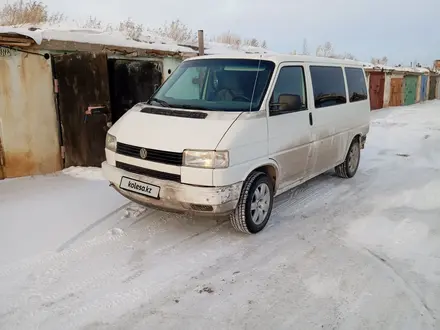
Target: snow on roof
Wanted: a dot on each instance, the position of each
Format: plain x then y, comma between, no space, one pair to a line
279,58
218,48
94,36
257,50
423,70
395,68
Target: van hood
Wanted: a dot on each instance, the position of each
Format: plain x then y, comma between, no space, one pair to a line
171,133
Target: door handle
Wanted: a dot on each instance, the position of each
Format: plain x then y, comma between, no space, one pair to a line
310,119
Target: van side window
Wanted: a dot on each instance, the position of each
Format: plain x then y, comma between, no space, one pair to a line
328,86
289,94
357,88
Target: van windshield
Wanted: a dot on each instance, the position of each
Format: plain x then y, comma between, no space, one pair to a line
217,85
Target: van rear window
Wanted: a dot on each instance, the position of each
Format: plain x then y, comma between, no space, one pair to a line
357,88
328,86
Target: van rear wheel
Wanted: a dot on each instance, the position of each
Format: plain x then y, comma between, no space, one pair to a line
254,205
351,163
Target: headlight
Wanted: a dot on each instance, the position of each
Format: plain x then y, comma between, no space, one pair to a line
110,142
206,159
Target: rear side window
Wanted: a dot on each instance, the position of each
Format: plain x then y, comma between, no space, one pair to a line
328,86
357,88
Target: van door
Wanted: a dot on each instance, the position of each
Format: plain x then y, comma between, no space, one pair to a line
289,131
331,117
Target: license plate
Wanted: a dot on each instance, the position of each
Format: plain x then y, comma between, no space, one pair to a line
139,187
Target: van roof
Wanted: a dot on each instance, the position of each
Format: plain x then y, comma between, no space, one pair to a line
279,58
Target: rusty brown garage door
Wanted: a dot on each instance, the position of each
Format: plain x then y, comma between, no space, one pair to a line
377,87
82,83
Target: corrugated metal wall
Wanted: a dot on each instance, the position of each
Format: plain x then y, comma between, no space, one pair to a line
28,121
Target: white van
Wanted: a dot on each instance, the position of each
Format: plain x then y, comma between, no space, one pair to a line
224,135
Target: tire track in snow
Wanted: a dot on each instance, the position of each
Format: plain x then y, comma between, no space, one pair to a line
90,227
42,259
51,301
305,194
81,251
58,303
108,244
413,294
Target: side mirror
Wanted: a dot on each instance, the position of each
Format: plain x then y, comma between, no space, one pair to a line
289,102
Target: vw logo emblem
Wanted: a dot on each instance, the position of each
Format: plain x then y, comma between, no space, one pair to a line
143,153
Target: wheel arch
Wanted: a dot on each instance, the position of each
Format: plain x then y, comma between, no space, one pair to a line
357,136
270,168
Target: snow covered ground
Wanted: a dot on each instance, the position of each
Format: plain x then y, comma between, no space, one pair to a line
350,254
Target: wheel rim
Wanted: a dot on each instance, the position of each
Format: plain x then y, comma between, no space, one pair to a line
260,203
353,159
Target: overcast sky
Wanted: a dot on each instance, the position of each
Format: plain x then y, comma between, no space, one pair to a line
403,30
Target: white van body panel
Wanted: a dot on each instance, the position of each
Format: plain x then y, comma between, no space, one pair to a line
334,128
172,133
247,150
289,139
292,147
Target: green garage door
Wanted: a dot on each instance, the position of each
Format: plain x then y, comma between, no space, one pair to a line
410,90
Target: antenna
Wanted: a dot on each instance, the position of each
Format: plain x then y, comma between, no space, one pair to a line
255,84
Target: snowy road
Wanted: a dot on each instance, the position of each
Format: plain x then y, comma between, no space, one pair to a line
350,254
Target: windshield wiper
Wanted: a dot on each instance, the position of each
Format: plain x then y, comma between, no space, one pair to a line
161,102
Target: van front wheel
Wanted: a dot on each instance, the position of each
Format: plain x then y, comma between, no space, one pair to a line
351,163
255,204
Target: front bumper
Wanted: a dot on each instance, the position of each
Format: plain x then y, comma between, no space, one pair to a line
178,197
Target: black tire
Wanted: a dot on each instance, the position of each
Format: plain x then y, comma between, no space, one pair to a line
241,218
347,170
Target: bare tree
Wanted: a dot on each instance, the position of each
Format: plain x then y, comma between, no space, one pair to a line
305,50
325,50
177,31
345,56
92,23
252,42
264,44
350,56
29,12
228,38
377,60
131,29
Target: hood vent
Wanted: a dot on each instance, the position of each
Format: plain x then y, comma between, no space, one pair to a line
175,113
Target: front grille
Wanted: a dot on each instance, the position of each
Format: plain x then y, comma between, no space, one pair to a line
148,172
153,155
